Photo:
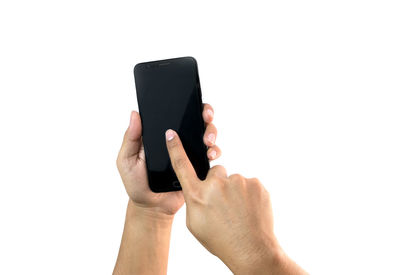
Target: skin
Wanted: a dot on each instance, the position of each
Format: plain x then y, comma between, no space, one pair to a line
231,216
145,241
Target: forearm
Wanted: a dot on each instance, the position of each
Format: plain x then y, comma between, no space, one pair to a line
270,260
145,242
281,264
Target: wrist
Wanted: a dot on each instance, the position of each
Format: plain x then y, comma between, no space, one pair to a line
262,258
145,241
151,216
273,261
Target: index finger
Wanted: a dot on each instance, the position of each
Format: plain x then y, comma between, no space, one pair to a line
180,162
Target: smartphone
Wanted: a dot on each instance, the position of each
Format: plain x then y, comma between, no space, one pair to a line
169,97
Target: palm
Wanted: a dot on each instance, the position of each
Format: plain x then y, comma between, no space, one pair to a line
137,186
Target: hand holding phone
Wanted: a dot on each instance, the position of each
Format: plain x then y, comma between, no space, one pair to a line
131,165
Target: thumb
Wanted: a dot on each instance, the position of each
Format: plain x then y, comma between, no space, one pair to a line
133,137
180,162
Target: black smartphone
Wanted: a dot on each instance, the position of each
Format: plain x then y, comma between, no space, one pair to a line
169,97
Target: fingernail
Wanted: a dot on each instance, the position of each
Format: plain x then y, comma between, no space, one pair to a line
210,113
169,134
213,154
211,138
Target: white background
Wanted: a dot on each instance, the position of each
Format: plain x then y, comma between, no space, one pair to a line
306,98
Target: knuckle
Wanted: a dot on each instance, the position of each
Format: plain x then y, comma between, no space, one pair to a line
255,183
218,170
236,178
259,187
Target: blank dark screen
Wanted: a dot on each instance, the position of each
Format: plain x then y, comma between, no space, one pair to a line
169,97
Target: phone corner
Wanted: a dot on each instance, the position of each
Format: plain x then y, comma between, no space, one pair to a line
137,67
191,58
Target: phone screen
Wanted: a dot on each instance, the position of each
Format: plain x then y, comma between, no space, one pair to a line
169,97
